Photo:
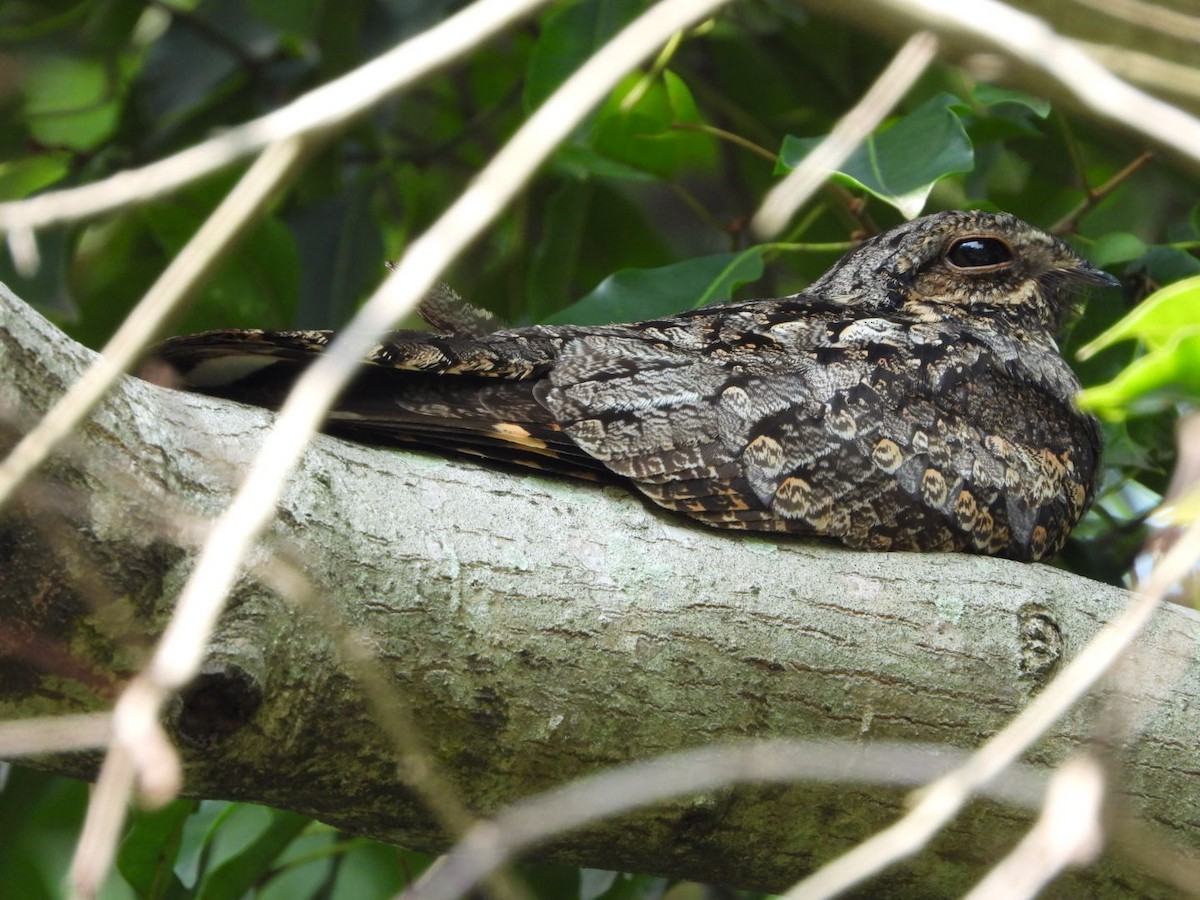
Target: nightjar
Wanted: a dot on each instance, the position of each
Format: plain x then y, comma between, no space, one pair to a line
912,398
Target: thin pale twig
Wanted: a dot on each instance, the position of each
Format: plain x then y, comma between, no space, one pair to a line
850,131
1067,834
1061,64
203,252
54,734
941,800
329,106
582,802
181,648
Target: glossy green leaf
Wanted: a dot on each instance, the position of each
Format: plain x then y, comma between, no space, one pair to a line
901,164
71,102
1156,321
147,855
635,294
22,177
238,873
643,134
1164,376
991,95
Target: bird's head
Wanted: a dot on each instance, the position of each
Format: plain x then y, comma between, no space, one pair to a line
960,264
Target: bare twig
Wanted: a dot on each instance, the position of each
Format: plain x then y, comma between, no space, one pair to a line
1067,834
141,753
330,106
942,800
181,647
1070,221
182,277
733,138
850,131
1060,64
54,734
589,800
1177,24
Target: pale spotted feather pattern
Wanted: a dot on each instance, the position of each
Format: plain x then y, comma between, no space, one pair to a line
913,398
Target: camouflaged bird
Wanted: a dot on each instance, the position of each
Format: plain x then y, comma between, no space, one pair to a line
913,398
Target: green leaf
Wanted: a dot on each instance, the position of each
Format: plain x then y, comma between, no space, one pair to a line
555,258
1167,265
1116,247
71,102
182,76
1157,320
901,164
23,177
1162,377
596,884
147,855
371,869
991,95
40,816
340,255
635,294
582,161
643,134
298,17
231,879
49,288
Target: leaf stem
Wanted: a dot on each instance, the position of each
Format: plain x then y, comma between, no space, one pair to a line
1070,222
731,137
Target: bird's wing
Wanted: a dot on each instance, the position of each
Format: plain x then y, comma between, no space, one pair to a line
848,431
441,392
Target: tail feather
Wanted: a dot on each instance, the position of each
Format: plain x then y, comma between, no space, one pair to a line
445,392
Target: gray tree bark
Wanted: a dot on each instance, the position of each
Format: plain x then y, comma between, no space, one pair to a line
540,630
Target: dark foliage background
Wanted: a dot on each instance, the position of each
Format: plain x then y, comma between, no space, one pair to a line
644,211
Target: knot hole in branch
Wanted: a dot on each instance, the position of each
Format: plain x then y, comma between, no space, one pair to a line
1041,644
216,704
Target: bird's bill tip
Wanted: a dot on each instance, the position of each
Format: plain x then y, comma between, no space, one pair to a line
1089,274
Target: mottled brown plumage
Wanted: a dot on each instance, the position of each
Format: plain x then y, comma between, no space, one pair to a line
913,398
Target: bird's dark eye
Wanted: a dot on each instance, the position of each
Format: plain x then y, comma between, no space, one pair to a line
979,253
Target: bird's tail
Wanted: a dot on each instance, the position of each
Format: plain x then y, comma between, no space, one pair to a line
467,392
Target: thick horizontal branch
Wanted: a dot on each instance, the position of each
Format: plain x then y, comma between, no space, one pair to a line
540,630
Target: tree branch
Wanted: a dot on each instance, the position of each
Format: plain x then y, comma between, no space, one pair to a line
540,630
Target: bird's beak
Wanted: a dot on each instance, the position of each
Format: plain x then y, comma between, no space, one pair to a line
1086,273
